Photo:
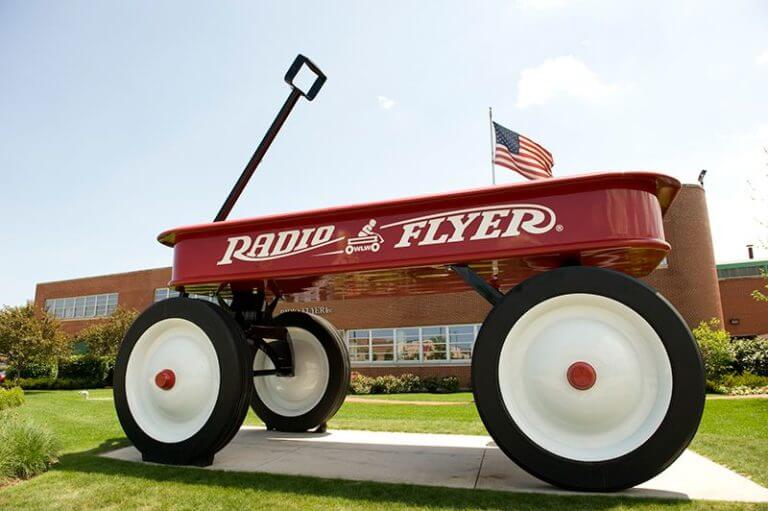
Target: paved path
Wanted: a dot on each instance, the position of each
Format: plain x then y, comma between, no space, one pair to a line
458,461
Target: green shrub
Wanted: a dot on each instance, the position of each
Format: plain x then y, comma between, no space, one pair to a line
35,370
744,380
747,391
26,449
431,384
716,349
751,355
87,367
715,388
410,383
10,398
449,384
387,384
56,384
359,383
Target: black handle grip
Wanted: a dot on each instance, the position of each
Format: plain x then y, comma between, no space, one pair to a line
294,70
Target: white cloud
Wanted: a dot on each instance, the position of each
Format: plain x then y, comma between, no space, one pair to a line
385,102
762,58
561,76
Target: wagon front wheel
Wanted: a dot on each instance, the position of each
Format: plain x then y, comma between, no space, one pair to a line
588,379
316,390
182,381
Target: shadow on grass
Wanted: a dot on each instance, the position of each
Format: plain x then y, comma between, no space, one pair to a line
381,494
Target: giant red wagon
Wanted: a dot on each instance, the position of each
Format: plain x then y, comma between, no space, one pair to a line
583,375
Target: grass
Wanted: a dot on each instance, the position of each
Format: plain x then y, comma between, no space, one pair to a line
85,481
734,432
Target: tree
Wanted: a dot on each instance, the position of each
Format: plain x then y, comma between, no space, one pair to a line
29,335
104,338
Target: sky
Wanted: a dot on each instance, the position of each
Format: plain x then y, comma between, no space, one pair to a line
119,120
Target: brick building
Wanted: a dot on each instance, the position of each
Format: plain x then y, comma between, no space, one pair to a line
743,315
433,334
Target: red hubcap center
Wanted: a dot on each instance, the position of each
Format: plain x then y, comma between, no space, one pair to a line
581,375
165,379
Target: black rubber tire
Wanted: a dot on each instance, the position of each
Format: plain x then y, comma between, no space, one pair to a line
235,373
676,429
338,378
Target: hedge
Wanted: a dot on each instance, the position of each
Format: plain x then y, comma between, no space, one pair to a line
75,372
10,398
751,355
34,370
56,383
405,383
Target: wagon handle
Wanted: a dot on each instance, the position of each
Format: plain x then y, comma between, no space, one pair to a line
299,62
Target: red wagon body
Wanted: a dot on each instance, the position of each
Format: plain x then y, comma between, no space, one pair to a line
506,233
586,377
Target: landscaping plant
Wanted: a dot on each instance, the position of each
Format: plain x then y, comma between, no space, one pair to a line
716,349
26,449
751,355
10,398
30,337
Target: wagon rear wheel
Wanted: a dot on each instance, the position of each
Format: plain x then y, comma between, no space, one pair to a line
182,381
588,379
321,376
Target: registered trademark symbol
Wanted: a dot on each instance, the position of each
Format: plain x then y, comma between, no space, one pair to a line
559,228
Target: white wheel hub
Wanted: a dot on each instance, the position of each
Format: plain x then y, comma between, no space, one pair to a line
291,396
172,380
585,377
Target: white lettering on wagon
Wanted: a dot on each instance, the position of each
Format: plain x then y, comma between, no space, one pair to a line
501,221
274,245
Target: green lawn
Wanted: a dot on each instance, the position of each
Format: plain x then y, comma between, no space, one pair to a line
733,431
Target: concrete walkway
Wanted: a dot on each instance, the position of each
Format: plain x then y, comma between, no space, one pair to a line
458,461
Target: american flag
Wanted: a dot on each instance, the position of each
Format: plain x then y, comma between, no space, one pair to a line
521,154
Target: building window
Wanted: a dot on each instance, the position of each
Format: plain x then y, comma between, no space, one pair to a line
460,339
359,344
82,307
383,345
412,345
163,293
408,344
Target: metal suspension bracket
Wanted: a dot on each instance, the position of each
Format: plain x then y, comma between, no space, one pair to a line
279,350
478,283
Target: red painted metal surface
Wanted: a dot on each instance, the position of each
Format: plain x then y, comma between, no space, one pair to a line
581,375
165,379
506,233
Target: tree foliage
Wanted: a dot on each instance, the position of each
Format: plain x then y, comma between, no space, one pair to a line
29,335
104,338
716,350
757,294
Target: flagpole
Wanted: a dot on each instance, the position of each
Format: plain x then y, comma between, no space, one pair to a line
493,146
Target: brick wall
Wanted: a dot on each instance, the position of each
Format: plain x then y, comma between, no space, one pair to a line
136,290
738,305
